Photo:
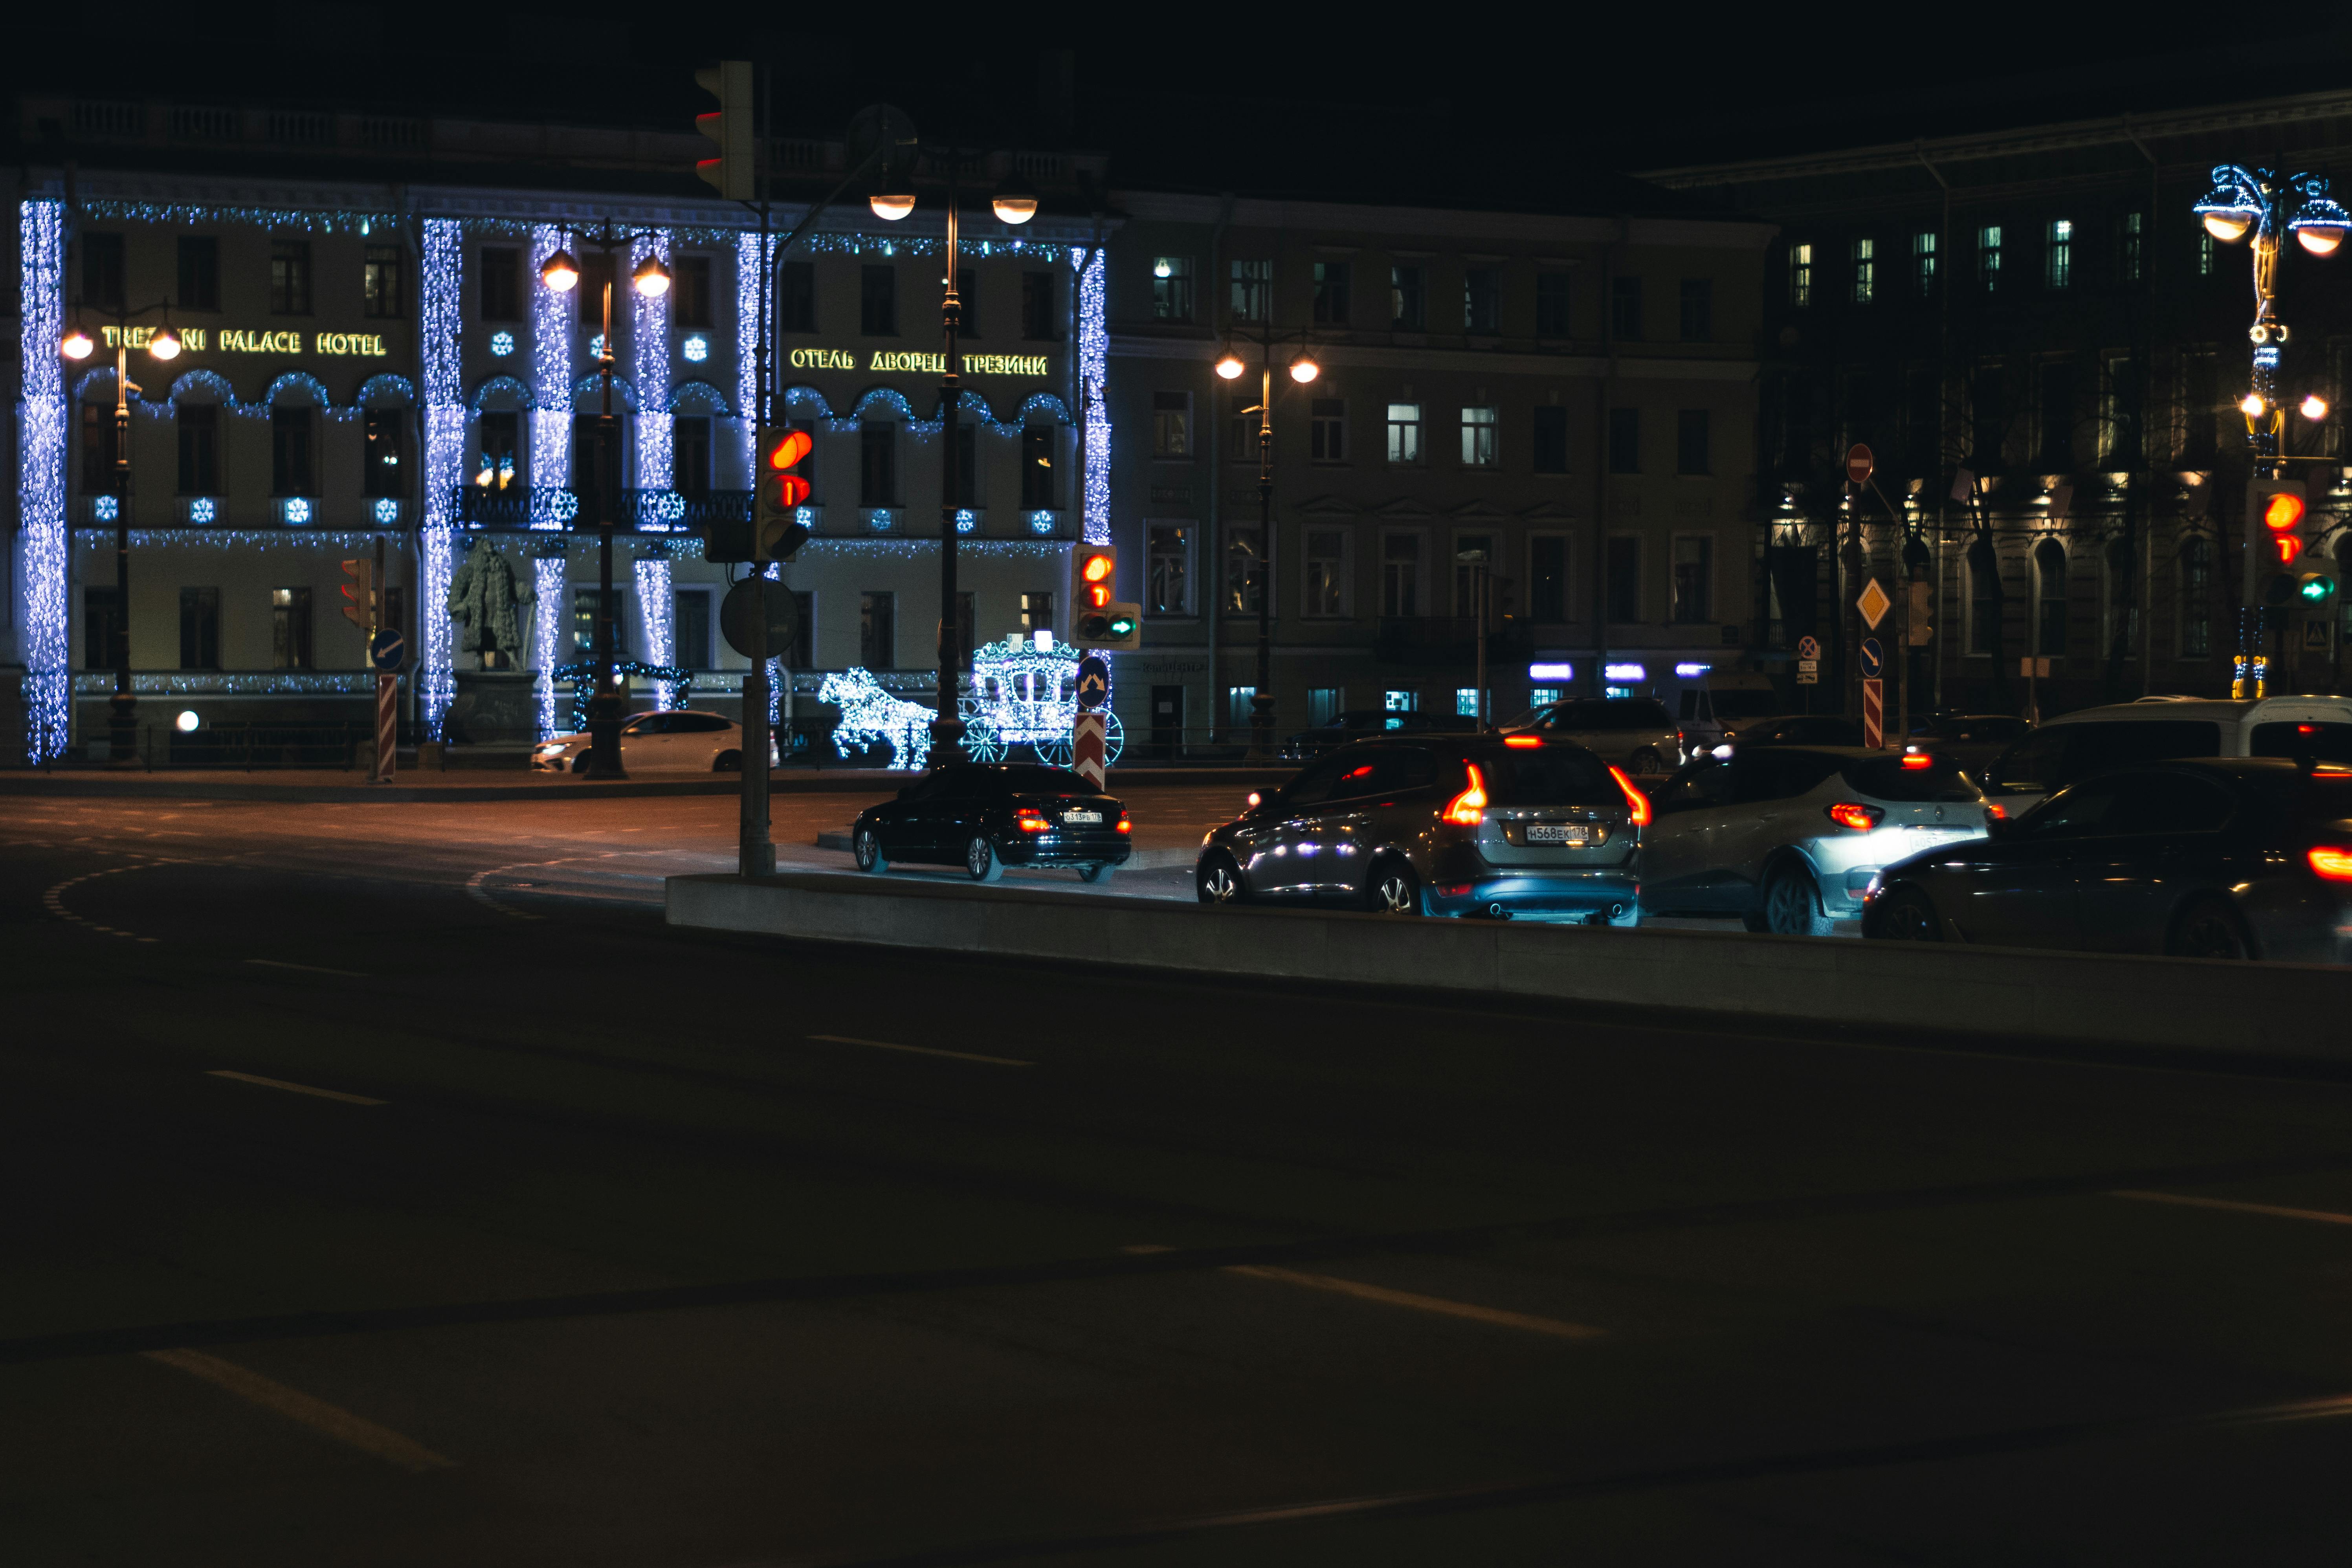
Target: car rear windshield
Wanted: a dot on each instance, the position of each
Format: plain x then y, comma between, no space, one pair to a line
1553,776
2320,743
2098,746
1025,779
1886,778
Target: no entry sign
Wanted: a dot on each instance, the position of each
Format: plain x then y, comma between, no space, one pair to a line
1859,463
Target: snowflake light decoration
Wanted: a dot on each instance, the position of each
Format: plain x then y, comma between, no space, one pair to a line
502,343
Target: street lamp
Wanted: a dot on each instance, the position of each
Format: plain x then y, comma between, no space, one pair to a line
1303,369
1014,203
122,729
562,273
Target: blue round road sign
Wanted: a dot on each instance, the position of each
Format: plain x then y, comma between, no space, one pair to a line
1873,657
1094,681
387,649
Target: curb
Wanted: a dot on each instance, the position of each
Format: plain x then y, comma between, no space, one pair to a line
192,785
1138,858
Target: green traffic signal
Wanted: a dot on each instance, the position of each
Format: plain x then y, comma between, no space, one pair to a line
2316,588
1121,625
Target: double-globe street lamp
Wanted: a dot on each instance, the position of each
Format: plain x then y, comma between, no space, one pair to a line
162,343
1015,204
1303,369
562,273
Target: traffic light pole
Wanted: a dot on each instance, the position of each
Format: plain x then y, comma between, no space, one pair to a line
755,851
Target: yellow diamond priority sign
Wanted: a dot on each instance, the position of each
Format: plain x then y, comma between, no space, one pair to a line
1873,604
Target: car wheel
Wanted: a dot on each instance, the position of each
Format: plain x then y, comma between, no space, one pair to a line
980,859
1905,914
1648,764
2209,928
865,848
1393,889
1217,880
1792,904
727,762
1096,873
580,764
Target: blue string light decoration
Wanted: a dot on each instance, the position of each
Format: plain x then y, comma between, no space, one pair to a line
234,683
106,509
581,677
551,373
502,343
385,385
42,549
751,275
653,610
548,604
297,509
872,717
202,508
441,326
649,333
318,538
500,384
1025,695
1094,368
696,348
387,510
588,394
967,520
699,397
310,220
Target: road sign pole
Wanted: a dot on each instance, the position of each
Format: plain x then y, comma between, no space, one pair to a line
1874,713
387,726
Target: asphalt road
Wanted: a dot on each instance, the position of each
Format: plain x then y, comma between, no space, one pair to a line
386,1186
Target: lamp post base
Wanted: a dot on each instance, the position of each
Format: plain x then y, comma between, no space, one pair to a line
947,741
605,739
1261,746
122,731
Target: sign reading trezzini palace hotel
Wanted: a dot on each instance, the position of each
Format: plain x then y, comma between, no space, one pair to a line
934,364
241,341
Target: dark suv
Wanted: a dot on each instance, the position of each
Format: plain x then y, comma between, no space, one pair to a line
1499,825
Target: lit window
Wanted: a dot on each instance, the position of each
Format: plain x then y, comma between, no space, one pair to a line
1923,262
1801,275
1989,257
2058,253
1253,289
1865,271
1404,432
2129,257
1478,437
1172,288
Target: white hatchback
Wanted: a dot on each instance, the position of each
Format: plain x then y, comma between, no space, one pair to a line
2164,728
679,741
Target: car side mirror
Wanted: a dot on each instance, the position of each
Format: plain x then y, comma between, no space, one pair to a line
2000,827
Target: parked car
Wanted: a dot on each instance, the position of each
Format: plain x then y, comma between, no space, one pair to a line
1352,725
2155,729
1725,701
2226,858
1635,733
1972,740
680,740
1504,826
985,817
1788,837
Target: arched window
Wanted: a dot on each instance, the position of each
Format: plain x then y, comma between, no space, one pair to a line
1984,600
2196,581
2049,599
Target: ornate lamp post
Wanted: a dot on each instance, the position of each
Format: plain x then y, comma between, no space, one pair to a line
562,274
122,729
1303,369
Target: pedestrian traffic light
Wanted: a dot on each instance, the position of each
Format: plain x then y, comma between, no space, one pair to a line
730,127
361,593
2275,512
1922,614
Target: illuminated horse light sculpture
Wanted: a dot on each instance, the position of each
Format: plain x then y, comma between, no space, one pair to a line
871,716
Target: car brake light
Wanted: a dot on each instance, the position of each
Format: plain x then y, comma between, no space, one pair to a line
1124,825
1469,807
1453,890
1028,821
2306,729
1996,812
1914,760
1523,742
1848,814
2333,862
1634,799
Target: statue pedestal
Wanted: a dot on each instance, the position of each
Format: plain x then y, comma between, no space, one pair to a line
492,707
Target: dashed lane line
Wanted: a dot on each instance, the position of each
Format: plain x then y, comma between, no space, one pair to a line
295,1088
2320,1216
53,898
330,1420
476,890
1412,1301
923,1050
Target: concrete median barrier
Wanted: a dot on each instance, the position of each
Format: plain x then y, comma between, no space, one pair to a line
1936,989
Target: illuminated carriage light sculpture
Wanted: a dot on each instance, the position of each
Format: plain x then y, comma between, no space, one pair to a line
1024,693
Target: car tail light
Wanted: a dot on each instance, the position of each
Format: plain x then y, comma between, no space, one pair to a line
1914,761
2333,862
1453,890
1029,821
1124,825
1523,742
1849,814
1996,812
1469,807
1638,803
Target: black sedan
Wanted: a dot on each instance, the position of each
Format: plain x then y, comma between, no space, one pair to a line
985,817
1353,725
2221,857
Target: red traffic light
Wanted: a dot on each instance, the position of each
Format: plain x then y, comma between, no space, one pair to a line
2289,545
791,448
791,490
2282,512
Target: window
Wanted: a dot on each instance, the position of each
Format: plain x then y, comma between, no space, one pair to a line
877,301
289,452
200,628
101,271
963,452
2196,597
595,282
99,447
1323,703
1039,321
199,441
1551,305
1245,429
289,628
1404,432
1865,271
1923,263
690,454
1171,424
2056,449
1037,467
500,296
1167,569
1327,572
1691,442
1989,257
1624,578
1404,701
689,623
1550,446
1408,301
1244,567
1478,437
1801,276
1465,573
1698,309
290,278
2130,255
2050,598
1239,702
1624,440
877,464
2058,253
1693,579
1332,287
384,452
1172,288
689,292
1253,289
1548,579
1626,307
499,436
1481,301
877,630
1327,428
1984,600
101,623
583,621
199,275
797,297
1401,575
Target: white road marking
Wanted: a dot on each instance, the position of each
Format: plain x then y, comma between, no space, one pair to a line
295,1088
308,968
2321,1217
923,1050
332,1420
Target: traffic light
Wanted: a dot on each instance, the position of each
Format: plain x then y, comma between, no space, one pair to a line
778,494
731,173
1097,620
1922,614
2317,589
1094,572
2275,512
361,593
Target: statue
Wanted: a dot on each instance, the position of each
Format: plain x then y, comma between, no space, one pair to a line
482,599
